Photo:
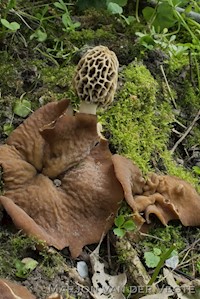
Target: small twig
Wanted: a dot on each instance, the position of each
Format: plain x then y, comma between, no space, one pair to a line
191,74
179,123
190,247
176,132
150,236
187,263
186,132
15,12
108,249
168,87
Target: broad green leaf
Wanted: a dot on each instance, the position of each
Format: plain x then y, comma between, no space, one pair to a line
146,40
179,2
22,108
14,26
39,35
148,13
188,8
76,25
129,225
119,220
5,23
157,251
165,17
59,5
11,4
25,266
7,129
66,20
29,263
151,259
129,20
114,8
119,232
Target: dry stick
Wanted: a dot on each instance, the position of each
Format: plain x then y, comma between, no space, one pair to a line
186,132
168,87
108,249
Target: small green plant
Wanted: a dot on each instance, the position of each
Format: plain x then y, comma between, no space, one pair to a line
25,267
152,258
66,19
9,26
163,257
8,128
40,33
163,40
123,225
12,26
22,107
115,7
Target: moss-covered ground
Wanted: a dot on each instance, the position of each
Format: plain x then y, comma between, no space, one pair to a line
156,101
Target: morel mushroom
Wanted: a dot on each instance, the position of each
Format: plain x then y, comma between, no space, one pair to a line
95,79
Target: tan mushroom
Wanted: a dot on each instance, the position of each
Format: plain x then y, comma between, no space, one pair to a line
132,181
27,138
169,198
95,79
82,207
10,290
67,142
68,191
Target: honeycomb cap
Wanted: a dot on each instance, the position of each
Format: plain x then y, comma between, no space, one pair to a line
96,76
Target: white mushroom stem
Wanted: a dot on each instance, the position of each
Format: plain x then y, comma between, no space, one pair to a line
88,108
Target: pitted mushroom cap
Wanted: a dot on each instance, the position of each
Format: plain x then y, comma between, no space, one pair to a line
96,76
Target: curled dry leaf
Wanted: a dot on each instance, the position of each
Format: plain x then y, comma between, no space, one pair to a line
10,290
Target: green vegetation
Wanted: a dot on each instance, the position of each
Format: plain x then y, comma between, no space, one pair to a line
13,265
134,120
161,239
123,225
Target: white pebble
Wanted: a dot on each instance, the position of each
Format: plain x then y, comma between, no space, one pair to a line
82,269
